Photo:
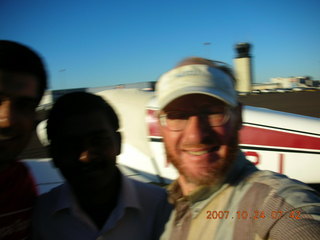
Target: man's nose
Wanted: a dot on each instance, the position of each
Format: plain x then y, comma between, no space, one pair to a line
197,130
5,113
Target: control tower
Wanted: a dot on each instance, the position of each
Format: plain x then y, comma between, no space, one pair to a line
243,67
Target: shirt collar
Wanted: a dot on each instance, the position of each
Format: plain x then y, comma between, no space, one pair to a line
64,198
128,195
128,198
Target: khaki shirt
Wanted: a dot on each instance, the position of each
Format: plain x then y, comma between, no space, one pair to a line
251,204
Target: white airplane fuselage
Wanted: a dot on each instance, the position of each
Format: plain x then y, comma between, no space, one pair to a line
272,140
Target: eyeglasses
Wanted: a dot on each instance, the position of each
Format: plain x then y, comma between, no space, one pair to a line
177,121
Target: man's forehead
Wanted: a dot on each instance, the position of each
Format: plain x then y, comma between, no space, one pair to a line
84,124
18,84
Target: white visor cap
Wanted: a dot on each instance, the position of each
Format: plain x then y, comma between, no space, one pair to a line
192,79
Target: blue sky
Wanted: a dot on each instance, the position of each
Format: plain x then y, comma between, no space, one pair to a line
100,43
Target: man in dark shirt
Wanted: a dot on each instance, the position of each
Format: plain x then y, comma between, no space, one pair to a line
22,83
96,201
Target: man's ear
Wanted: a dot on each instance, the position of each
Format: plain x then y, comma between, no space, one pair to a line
49,150
35,124
160,132
118,140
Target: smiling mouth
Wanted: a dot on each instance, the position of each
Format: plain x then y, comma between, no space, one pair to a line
6,138
8,134
202,152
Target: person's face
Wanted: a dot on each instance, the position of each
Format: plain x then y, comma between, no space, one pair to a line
18,101
202,153
85,150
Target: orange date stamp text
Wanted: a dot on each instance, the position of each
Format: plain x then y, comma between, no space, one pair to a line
255,215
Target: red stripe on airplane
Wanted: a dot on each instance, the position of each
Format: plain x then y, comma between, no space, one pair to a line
268,137
254,136
152,121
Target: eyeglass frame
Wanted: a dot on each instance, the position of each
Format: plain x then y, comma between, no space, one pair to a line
164,120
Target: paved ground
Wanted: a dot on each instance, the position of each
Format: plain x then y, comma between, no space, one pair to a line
304,103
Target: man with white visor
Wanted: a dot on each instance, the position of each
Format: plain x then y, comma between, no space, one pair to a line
219,194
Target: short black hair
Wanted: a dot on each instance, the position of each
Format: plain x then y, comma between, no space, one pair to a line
15,57
76,103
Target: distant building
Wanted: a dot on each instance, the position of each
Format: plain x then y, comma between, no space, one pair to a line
293,82
264,86
243,68
244,75
286,82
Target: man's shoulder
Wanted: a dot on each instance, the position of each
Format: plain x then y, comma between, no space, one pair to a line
17,188
146,196
270,186
276,181
15,171
46,201
54,191
148,188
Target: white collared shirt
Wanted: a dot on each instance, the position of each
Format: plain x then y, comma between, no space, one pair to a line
141,212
